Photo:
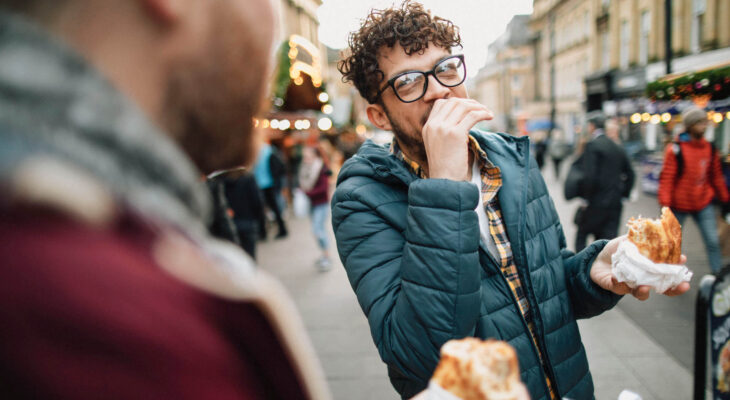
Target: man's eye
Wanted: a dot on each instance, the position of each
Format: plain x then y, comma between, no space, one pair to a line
408,80
447,67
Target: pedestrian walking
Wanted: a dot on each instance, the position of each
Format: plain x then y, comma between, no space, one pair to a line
539,147
314,181
449,232
111,112
692,178
244,200
559,149
607,180
269,171
222,225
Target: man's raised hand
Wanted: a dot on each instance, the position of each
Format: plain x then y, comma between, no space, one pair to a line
445,136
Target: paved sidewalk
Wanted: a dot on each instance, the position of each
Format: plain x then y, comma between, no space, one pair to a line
620,354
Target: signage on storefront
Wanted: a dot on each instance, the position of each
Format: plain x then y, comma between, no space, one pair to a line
631,82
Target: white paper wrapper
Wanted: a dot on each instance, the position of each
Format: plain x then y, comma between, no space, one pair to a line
630,266
436,392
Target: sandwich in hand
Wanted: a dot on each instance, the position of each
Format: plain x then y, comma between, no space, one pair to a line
659,240
474,369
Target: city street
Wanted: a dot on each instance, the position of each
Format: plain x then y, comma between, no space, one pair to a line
645,347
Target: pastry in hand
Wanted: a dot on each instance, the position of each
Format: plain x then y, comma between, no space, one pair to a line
659,240
474,369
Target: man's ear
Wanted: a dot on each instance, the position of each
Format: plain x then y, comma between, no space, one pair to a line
167,12
378,117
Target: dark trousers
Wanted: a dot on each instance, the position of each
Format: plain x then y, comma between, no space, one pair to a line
600,222
270,200
556,163
247,235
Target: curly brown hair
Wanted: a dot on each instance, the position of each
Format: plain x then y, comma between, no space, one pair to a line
411,26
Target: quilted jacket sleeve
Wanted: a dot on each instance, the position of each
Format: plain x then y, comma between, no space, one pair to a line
667,177
587,298
418,284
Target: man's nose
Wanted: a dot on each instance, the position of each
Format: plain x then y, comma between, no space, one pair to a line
435,90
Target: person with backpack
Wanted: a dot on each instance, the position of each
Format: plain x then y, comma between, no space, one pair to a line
691,178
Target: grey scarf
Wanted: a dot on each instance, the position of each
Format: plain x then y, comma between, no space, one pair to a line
53,103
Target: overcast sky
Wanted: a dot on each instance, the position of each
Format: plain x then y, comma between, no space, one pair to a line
480,21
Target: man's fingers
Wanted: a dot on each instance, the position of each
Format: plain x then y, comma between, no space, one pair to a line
641,292
452,111
474,116
679,290
620,287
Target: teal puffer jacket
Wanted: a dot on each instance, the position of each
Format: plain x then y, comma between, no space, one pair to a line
413,256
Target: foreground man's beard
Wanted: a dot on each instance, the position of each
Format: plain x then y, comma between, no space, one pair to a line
212,98
411,143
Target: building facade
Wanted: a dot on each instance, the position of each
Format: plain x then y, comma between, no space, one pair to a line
506,83
564,39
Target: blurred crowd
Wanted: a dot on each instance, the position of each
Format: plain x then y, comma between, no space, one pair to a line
290,178
694,179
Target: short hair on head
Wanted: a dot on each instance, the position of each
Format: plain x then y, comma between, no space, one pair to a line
597,119
410,26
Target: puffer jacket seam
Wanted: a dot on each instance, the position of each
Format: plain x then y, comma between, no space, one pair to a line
570,356
356,191
375,207
586,377
425,286
372,268
377,299
428,246
370,237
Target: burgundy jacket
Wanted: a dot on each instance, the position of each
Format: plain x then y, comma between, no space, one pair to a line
88,312
320,192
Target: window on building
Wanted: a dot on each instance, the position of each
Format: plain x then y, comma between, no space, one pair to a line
552,41
605,51
586,24
516,82
698,19
644,39
625,45
516,104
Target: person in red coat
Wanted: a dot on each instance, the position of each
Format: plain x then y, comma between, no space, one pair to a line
112,285
691,178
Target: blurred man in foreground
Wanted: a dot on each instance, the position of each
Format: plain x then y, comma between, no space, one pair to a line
450,232
110,111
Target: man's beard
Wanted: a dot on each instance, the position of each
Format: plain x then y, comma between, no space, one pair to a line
410,142
211,100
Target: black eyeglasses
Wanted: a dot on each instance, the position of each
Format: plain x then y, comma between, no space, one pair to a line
410,86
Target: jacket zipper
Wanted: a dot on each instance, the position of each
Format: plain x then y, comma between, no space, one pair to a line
529,294
515,302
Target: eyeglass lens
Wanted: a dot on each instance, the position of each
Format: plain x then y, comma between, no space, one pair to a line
411,86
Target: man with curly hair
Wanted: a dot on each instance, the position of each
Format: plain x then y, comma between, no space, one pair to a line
449,231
